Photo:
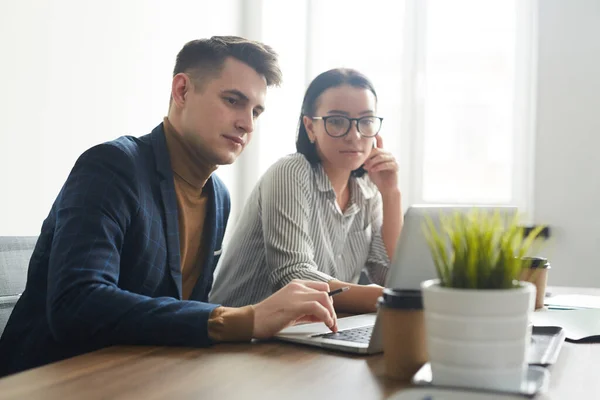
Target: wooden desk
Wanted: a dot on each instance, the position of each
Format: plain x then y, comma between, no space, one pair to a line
269,370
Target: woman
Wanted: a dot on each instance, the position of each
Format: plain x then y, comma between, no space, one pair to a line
324,213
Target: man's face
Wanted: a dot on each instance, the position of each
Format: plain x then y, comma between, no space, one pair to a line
217,119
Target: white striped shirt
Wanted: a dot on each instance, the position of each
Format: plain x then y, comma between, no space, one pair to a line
292,227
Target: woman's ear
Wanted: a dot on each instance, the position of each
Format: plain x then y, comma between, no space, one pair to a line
309,126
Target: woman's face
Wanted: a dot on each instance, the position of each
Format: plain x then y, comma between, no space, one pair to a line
350,151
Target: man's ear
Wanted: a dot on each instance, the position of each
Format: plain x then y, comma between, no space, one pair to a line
179,89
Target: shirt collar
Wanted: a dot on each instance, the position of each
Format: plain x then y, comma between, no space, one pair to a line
367,188
361,188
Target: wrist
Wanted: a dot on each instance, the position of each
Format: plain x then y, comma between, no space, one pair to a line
376,289
229,324
376,293
391,193
257,314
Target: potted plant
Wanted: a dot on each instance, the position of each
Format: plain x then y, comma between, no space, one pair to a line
477,311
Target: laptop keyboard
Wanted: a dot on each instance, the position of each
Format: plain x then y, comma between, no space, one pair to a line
356,335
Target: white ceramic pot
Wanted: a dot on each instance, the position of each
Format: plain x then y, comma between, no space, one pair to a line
478,338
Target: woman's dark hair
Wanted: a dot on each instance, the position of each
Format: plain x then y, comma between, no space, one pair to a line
326,80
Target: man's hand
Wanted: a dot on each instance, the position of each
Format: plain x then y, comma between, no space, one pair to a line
298,301
382,168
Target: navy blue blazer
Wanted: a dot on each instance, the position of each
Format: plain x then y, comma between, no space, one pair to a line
106,268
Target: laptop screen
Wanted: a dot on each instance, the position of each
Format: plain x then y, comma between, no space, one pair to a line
412,263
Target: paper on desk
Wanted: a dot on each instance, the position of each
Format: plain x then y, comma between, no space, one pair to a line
579,325
448,394
573,300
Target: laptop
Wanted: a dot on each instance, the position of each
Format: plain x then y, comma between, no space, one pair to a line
411,264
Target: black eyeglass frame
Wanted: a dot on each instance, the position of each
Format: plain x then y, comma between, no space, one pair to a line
324,119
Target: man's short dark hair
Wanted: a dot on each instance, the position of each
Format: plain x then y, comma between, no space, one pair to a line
204,58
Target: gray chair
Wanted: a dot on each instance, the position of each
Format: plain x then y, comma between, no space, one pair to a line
15,252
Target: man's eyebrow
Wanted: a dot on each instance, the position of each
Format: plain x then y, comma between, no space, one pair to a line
236,93
243,97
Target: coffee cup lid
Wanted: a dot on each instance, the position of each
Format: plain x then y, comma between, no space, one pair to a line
537,262
402,299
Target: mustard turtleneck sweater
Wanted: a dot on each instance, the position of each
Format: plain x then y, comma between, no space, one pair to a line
190,173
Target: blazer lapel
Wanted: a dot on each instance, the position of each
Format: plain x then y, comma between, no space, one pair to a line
169,201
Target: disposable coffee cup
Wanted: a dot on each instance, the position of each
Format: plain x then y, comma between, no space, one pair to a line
403,326
536,272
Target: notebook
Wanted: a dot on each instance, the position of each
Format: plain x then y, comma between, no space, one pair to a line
572,301
580,325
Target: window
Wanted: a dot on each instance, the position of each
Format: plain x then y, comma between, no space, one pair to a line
466,100
454,81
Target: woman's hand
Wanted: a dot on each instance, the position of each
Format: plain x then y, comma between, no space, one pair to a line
382,168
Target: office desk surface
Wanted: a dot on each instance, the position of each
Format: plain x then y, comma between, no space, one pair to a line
269,370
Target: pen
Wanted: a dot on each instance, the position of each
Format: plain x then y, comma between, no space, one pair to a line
338,291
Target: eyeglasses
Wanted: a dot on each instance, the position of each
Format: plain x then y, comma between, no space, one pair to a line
338,126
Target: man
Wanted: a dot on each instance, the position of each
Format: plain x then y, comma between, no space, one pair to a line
127,253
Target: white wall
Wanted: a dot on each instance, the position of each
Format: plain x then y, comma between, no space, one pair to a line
76,73
567,174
